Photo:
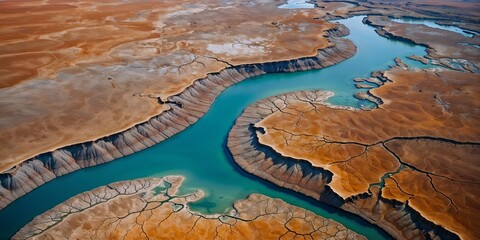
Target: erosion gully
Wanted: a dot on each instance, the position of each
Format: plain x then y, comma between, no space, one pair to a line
199,153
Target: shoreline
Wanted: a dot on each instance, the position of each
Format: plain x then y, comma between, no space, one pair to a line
46,166
92,97
150,198
165,104
312,181
184,108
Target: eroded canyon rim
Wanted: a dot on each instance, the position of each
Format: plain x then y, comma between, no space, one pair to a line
421,151
165,159
402,165
189,100
393,165
110,64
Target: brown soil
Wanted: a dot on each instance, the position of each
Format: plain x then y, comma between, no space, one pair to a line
77,71
463,11
442,44
424,145
136,210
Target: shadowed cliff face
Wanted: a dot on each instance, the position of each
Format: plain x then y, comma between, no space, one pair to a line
419,148
463,13
152,208
447,48
143,64
185,109
77,71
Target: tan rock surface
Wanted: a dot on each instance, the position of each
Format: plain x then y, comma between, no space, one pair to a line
151,209
443,45
344,141
185,109
77,71
446,48
56,59
423,146
442,182
456,12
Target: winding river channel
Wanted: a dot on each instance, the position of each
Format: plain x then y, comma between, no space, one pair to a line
199,153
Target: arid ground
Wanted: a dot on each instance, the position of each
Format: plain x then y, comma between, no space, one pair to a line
83,83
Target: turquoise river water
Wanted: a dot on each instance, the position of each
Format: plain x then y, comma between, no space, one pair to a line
433,24
199,152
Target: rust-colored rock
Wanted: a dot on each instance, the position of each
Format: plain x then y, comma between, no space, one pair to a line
446,50
441,182
419,151
338,140
151,209
459,13
179,66
77,71
185,109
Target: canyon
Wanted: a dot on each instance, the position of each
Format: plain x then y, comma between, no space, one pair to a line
397,147
413,150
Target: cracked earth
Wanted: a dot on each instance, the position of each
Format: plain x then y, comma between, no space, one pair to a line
152,209
103,65
417,150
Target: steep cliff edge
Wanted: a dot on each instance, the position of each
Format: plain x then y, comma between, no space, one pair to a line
77,71
185,108
402,166
452,50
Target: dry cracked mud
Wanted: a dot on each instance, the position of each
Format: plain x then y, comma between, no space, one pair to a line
445,48
409,166
462,13
179,110
417,153
106,66
152,209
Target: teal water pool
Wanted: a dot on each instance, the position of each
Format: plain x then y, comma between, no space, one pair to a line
433,24
199,152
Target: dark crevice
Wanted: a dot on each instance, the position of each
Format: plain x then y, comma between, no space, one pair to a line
178,104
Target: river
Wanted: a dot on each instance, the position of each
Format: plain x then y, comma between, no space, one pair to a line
199,153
